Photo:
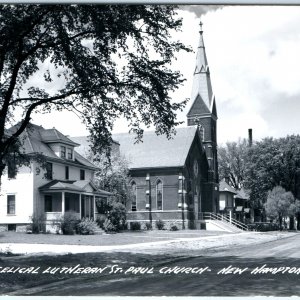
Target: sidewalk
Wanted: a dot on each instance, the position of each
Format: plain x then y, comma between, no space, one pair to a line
198,242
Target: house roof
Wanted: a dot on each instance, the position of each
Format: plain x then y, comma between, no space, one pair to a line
54,136
36,139
157,151
225,187
60,185
80,186
84,147
241,194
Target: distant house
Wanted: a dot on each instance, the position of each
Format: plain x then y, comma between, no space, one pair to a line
243,211
66,184
226,197
235,202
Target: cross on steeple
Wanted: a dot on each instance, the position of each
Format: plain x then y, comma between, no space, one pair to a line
200,24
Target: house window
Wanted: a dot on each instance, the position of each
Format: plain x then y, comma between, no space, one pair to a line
12,227
49,170
48,203
67,172
72,202
70,153
180,184
159,195
134,196
227,202
82,175
62,151
11,204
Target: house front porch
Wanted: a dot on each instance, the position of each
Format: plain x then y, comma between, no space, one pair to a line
58,198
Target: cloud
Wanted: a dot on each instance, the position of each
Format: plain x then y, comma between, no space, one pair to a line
200,10
253,54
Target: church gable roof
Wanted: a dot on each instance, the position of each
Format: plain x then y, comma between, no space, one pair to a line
198,107
156,151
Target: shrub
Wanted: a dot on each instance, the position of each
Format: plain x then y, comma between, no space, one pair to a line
148,226
263,226
69,222
117,216
108,226
160,224
173,227
135,226
86,226
37,224
100,221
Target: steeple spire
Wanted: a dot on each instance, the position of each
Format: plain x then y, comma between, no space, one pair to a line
201,81
203,114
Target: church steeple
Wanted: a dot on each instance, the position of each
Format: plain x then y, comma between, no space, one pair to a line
203,114
202,95
203,111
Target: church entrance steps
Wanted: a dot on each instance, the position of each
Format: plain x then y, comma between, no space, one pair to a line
214,221
221,226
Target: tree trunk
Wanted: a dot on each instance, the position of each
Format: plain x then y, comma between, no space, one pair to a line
280,222
298,221
292,223
2,168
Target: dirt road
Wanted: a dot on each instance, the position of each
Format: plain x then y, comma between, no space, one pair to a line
270,269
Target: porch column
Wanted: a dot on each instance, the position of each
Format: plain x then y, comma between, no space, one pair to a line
63,203
94,203
80,205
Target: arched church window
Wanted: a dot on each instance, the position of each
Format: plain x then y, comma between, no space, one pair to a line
134,196
159,195
201,130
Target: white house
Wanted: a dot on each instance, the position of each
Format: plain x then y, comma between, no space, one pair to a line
65,185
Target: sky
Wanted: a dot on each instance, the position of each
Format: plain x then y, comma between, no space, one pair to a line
254,59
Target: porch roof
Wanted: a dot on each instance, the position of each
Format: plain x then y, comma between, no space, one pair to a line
225,187
80,186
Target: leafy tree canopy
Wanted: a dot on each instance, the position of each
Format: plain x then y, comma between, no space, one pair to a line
272,162
113,176
100,61
232,160
281,203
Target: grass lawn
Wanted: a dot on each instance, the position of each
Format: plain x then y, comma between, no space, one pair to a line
123,238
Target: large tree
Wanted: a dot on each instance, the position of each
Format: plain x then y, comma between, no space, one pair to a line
272,162
100,61
232,162
281,204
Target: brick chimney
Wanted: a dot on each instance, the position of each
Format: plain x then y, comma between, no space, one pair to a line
250,136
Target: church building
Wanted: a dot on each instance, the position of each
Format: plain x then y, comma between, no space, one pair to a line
176,180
